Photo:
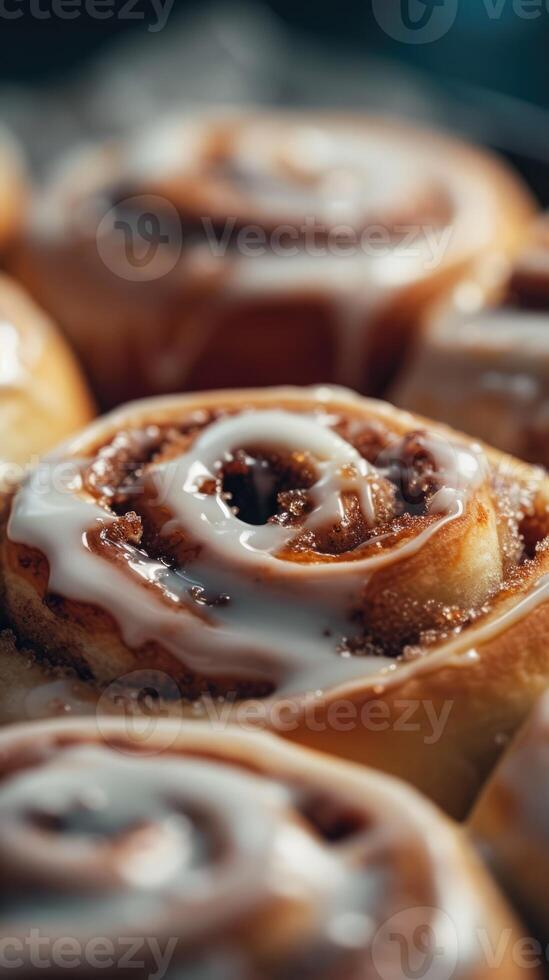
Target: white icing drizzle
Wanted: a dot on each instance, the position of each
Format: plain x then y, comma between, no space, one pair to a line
340,468
287,171
459,470
302,174
199,842
284,621
338,176
196,846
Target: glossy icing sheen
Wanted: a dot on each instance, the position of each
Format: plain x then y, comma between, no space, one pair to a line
283,621
227,857
343,177
242,608
337,171
396,216
157,815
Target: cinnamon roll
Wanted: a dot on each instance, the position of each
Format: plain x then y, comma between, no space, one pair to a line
230,856
511,819
485,368
370,583
43,397
239,250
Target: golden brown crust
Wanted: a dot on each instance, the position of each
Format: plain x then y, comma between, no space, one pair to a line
440,717
510,820
417,867
190,329
481,361
43,396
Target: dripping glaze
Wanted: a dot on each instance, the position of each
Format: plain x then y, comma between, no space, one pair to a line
283,620
341,174
207,837
296,173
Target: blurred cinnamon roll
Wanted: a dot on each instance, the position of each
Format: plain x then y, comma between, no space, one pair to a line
43,397
242,251
511,819
373,584
485,368
224,856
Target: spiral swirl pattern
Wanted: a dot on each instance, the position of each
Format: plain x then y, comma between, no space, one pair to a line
289,541
243,857
291,247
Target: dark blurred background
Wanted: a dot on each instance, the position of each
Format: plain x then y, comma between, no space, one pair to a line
490,42
112,62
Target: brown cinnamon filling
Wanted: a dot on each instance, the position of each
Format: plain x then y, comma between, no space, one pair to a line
412,469
266,487
271,487
263,486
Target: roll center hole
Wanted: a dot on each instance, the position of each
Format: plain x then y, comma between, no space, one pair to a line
263,485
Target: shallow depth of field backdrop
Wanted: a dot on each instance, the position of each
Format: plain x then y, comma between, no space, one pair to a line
73,69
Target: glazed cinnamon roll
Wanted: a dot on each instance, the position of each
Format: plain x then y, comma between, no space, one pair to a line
43,396
239,250
511,819
370,583
225,856
485,368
